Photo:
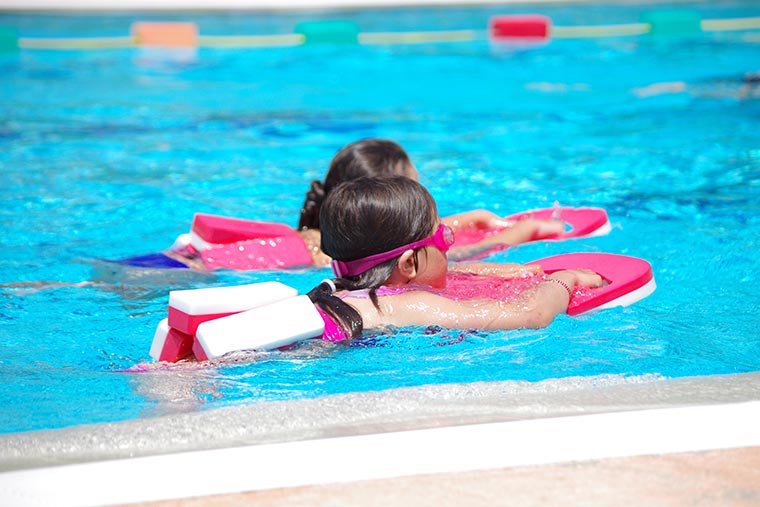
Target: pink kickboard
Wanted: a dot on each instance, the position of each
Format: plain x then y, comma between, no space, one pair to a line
628,279
279,252
169,344
240,244
220,229
583,222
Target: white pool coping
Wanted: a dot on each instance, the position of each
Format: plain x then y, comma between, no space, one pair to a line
386,455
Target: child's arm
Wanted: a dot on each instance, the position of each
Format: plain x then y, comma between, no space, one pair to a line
525,230
509,233
498,269
535,308
312,237
475,219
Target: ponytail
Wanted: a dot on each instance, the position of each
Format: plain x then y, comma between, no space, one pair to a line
312,204
342,313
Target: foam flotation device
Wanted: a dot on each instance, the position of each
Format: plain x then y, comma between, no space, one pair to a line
188,309
583,223
236,243
626,279
170,344
264,328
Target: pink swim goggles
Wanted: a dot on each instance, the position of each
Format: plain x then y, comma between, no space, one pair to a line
442,240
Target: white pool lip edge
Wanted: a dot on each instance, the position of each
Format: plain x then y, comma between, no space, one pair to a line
386,455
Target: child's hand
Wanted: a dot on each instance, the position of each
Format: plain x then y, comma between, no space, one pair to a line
579,277
546,228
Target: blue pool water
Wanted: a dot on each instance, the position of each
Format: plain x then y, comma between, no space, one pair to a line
107,154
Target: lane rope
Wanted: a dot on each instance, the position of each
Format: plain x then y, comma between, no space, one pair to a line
379,38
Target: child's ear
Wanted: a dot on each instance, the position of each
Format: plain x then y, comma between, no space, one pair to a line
406,267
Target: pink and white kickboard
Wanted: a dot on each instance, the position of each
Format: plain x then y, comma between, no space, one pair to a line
583,223
190,308
169,344
264,328
627,279
242,244
209,230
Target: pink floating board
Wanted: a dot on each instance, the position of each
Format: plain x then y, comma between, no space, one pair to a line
218,229
627,279
583,223
169,344
236,243
190,308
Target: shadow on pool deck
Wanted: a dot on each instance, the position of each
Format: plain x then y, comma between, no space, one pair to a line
713,478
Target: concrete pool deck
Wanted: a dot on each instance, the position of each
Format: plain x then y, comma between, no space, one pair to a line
726,478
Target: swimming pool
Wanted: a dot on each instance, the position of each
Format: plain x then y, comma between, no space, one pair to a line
108,153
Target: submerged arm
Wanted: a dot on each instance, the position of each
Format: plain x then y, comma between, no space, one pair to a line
501,232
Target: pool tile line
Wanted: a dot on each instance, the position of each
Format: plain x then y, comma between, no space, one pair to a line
386,455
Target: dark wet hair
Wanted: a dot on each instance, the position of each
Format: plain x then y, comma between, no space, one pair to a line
364,217
367,157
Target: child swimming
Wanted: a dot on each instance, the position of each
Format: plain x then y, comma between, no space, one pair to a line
383,157
363,158
389,251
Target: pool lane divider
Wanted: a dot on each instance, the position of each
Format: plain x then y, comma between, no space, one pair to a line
518,29
328,32
680,22
8,40
165,35
441,450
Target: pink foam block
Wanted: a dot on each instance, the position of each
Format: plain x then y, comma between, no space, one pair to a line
188,309
583,223
170,344
627,279
236,243
521,26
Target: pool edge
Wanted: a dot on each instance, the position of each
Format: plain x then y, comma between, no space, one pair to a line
442,450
